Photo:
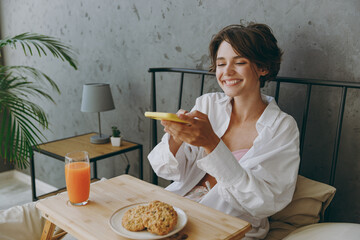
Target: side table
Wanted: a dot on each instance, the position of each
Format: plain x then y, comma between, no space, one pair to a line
59,148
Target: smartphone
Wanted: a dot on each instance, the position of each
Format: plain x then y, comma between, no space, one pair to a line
164,116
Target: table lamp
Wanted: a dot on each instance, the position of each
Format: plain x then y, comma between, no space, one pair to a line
97,97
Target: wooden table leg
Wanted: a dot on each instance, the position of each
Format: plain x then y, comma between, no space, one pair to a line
48,230
59,234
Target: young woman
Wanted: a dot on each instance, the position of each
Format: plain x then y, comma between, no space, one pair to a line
239,153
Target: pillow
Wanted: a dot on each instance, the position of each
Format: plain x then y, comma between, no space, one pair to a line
24,223
310,200
328,231
21,222
279,230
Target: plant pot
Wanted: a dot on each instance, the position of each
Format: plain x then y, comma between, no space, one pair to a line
116,141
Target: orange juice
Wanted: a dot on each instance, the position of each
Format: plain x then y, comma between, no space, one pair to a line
77,177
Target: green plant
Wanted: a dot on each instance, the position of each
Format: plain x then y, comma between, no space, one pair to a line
115,131
19,116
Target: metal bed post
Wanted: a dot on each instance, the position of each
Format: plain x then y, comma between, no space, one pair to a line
202,84
141,168
181,90
32,172
304,121
277,91
338,135
153,128
336,145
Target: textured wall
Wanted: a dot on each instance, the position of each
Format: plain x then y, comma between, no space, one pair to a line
117,41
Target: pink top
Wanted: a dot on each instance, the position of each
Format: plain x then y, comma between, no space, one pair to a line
198,192
238,154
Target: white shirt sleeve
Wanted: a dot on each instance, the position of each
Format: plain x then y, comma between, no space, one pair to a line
264,181
171,167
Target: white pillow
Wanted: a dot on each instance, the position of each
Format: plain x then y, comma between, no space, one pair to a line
24,222
328,231
21,223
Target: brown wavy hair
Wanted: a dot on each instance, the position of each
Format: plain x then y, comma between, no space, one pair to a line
255,42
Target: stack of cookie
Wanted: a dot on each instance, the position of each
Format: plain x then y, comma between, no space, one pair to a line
157,217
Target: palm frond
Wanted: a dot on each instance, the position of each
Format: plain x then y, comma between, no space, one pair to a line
19,129
39,41
27,72
20,117
15,84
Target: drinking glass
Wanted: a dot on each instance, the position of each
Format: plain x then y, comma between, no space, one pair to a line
77,177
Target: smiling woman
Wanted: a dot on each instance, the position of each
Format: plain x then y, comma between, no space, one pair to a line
255,43
238,152
237,74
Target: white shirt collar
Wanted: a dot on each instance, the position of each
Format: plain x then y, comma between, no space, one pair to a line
269,115
225,99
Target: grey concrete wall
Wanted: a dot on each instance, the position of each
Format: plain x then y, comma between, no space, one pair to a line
117,41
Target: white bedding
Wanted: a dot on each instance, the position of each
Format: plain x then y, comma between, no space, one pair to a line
328,231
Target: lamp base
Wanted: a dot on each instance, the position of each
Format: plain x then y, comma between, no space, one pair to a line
100,139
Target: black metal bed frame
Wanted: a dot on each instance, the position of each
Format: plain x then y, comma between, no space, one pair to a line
308,82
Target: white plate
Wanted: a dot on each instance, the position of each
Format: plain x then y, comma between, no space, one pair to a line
116,226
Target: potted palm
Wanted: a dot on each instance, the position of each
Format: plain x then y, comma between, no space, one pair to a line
21,119
116,137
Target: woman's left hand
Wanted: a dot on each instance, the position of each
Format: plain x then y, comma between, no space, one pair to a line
198,132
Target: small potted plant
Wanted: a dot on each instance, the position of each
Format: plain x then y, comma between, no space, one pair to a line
116,137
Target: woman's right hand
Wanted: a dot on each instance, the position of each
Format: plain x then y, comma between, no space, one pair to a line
174,143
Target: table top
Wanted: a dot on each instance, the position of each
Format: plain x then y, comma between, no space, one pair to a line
59,148
107,196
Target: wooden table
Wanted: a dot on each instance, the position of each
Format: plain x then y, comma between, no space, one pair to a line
59,148
92,221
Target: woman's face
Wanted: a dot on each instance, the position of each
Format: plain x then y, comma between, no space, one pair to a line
236,75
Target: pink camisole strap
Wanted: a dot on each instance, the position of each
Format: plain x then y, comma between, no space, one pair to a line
238,154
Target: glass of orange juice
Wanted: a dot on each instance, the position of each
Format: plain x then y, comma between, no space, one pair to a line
77,177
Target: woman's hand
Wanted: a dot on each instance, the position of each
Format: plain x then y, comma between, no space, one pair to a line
174,143
198,132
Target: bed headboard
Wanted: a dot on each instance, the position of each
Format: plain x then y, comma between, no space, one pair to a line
327,114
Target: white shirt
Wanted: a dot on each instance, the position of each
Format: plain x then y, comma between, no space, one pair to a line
259,185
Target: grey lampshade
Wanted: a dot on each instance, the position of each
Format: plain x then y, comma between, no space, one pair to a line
97,97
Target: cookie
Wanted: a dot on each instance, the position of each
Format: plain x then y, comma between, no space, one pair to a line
160,218
133,218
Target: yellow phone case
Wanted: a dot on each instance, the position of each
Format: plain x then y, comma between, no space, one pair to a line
164,116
